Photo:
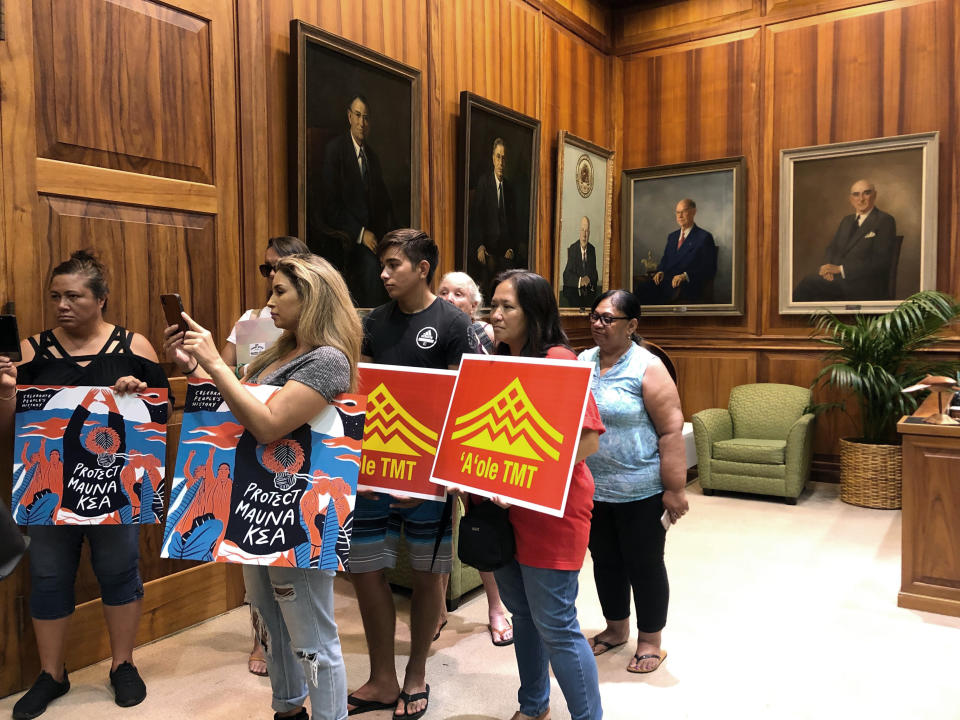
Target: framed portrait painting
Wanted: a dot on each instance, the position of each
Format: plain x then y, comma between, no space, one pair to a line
358,158
498,197
858,224
684,230
582,226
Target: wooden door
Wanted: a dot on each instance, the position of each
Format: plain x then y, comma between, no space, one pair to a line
118,132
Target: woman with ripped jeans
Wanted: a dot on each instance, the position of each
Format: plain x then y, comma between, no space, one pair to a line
314,360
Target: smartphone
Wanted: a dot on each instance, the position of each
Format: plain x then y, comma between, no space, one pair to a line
9,337
665,520
172,307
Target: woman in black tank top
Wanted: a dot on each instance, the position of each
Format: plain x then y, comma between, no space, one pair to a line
83,349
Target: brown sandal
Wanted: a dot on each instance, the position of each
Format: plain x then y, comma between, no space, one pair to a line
256,658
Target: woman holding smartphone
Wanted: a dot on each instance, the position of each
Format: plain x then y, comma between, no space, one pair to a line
640,474
314,360
277,247
83,349
539,587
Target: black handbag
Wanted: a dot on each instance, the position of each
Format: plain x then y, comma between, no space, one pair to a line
486,539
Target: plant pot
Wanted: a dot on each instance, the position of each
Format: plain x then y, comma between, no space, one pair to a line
871,475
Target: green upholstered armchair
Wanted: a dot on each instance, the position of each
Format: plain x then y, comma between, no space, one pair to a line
762,443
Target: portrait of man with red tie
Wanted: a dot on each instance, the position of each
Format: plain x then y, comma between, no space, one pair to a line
688,264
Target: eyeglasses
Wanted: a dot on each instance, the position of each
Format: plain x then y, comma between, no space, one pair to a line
606,320
266,269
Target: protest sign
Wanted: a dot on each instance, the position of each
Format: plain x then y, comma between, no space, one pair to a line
88,456
405,412
513,428
288,503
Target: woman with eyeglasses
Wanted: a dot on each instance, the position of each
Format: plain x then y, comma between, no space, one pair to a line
539,587
277,247
639,473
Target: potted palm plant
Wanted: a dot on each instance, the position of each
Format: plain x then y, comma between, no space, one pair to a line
874,357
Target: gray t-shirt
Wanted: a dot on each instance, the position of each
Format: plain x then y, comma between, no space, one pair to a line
325,369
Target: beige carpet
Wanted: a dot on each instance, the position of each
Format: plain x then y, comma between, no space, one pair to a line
776,612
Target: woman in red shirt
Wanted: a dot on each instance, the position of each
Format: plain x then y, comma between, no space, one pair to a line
539,586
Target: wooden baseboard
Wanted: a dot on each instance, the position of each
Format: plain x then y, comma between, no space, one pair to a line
825,468
170,604
926,603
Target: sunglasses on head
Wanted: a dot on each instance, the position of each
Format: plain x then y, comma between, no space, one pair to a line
266,269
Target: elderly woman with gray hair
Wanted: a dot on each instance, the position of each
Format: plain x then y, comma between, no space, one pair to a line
460,289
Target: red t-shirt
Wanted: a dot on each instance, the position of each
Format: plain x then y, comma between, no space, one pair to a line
560,543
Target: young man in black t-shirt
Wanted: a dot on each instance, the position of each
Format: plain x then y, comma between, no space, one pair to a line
415,329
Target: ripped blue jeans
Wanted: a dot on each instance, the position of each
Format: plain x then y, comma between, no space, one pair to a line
293,618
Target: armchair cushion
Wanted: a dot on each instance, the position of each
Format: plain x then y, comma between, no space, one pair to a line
748,450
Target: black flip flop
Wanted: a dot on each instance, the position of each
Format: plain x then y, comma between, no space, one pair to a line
407,699
362,705
440,629
607,647
660,656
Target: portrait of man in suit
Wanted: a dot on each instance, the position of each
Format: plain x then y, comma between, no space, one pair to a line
580,277
858,261
355,206
493,223
688,264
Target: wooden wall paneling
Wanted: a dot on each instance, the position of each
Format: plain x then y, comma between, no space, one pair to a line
502,66
868,72
792,368
56,177
222,20
396,28
576,89
705,378
659,24
20,260
588,19
131,238
699,101
120,117
17,140
617,112
253,157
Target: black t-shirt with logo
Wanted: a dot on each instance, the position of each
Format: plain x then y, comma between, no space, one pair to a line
435,337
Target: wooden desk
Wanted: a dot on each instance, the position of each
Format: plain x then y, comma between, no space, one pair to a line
930,553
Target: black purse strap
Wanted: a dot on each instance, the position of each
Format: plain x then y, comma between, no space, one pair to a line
444,519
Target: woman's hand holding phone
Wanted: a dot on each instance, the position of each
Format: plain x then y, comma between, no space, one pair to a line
198,342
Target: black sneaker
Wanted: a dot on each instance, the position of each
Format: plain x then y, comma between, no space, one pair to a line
44,691
302,715
128,688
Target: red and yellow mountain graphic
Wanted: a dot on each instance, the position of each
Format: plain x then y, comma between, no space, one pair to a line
391,429
509,424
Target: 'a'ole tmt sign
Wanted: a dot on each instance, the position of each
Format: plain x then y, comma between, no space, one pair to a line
512,429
